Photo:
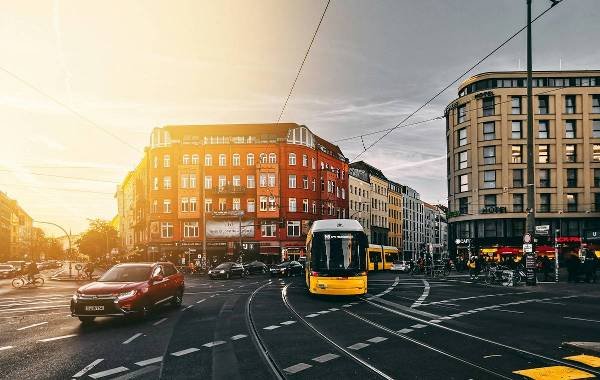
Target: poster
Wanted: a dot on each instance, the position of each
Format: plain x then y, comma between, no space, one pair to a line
229,228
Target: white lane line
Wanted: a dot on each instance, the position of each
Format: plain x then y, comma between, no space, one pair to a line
377,339
286,323
325,358
239,336
582,319
358,346
435,321
492,356
159,322
511,311
202,300
87,368
57,338
425,294
109,372
346,305
323,312
418,326
6,348
474,297
35,308
334,309
189,307
30,326
142,363
272,327
132,338
213,344
312,315
185,352
405,331
297,368
29,303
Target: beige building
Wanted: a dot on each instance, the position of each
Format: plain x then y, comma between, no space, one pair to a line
486,130
359,188
395,214
378,197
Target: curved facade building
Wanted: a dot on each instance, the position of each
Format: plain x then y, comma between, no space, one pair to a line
486,130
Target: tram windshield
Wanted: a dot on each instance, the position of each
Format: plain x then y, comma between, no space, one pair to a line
338,251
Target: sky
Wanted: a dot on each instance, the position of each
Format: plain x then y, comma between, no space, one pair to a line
82,84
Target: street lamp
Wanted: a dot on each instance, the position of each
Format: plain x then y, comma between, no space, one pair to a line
68,237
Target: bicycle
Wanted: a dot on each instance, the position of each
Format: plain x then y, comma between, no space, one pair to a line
22,280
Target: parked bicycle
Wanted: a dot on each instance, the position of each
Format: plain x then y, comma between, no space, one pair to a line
22,281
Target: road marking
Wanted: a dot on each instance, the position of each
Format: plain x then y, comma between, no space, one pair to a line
334,309
323,312
554,372
435,321
189,307
159,322
511,311
425,294
297,368
34,308
589,360
6,348
492,356
377,339
213,344
142,363
288,323
239,336
30,326
272,327
109,372
185,352
325,358
405,331
583,319
87,368
418,326
346,305
137,374
358,346
132,338
202,300
312,315
57,338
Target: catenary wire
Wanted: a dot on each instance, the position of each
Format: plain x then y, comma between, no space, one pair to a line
59,176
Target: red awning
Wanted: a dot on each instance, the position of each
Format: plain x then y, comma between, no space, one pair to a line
542,249
509,251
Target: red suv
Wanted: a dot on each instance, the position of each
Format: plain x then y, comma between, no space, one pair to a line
129,289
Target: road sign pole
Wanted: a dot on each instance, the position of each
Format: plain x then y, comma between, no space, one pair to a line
556,232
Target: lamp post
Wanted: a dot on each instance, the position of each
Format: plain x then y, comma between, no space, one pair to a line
68,238
530,221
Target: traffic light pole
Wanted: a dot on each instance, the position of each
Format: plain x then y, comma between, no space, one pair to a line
530,222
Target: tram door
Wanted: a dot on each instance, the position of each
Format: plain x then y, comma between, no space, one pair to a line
374,259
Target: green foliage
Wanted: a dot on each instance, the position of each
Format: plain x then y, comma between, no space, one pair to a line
99,239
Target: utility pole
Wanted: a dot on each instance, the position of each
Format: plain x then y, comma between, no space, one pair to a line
530,221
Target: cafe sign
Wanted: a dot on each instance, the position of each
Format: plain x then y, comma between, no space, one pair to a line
493,210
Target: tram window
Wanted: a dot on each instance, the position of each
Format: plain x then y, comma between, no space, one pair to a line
375,257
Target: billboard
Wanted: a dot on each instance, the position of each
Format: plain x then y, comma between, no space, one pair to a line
229,228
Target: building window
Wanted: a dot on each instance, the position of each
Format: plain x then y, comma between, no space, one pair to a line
543,154
292,181
193,204
155,206
489,155
250,205
595,128
305,205
516,154
186,159
208,160
262,158
262,180
235,159
489,130
236,181
155,162
222,160
544,202
570,153
305,182
314,207
264,204
167,182
272,204
570,104
185,205
488,106
272,158
293,228
268,229
237,204
292,158
292,205
222,204
166,230
191,229
570,129
489,179
489,200
304,160
250,182
464,182
167,206
544,177
596,152
543,105
517,202
572,202
250,159
571,177
314,163
597,202
516,129
222,181
208,205
515,105
461,114
544,129
596,177
185,181
192,179
595,103
462,137
271,180
155,183
208,182
517,178
463,205
195,159
462,160
166,161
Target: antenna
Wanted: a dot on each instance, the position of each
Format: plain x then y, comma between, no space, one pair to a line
519,64
560,63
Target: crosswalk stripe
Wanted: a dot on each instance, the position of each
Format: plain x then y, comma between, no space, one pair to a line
589,360
554,372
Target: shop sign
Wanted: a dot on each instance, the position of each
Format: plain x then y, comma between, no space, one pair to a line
484,94
493,210
229,229
543,230
453,214
527,248
568,239
530,266
462,241
592,235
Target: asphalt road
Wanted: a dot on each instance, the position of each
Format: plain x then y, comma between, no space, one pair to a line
405,328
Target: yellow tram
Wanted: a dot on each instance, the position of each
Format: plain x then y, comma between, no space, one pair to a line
336,259
381,257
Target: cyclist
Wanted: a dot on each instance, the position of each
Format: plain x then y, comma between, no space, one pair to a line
32,271
89,270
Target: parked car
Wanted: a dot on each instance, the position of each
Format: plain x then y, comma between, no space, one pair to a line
400,266
256,267
287,269
7,271
129,289
227,270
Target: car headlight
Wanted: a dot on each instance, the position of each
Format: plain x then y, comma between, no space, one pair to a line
222,271
282,270
128,294
75,297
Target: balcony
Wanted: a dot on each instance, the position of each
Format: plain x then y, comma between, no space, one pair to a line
230,189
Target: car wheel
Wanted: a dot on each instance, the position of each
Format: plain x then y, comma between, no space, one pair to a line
87,320
177,298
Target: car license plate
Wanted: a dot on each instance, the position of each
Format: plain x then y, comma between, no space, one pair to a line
94,308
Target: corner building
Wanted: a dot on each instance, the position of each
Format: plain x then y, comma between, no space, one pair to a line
486,129
251,189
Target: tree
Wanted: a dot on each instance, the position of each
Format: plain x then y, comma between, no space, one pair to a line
99,239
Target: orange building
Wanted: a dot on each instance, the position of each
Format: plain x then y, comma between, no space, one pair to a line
222,187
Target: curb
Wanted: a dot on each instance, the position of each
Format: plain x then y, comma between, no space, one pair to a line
590,347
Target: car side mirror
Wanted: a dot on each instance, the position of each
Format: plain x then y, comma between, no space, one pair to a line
157,278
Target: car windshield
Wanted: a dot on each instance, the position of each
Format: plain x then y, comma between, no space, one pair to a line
224,266
127,274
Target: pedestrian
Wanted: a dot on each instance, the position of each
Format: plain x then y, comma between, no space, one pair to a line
589,266
572,266
546,267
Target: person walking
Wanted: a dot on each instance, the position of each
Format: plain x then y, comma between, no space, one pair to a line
589,266
572,266
546,267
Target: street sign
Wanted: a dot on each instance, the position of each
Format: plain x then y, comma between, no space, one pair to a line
543,230
527,238
527,248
